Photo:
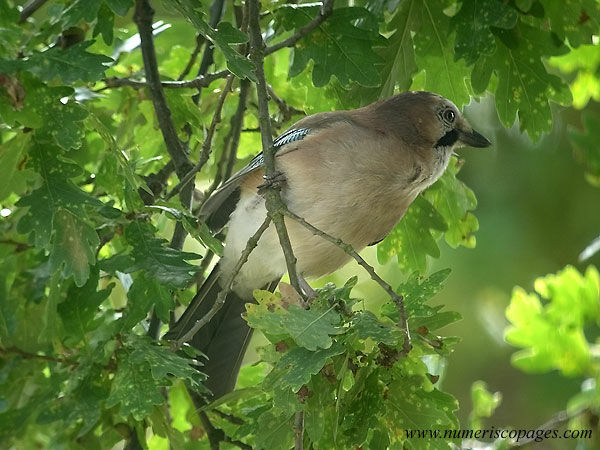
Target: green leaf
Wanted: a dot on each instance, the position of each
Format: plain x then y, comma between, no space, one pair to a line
484,404
473,22
434,53
163,361
44,111
14,177
368,326
134,388
167,265
79,10
418,409
120,7
342,46
74,246
400,54
296,367
70,65
81,306
276,431
552,334
196,228
105,24
413,238
223,37
309,328
586,145
56,218
143,294
455,201
415,292
576,20
524,85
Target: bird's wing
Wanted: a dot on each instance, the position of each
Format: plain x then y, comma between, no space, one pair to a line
218,207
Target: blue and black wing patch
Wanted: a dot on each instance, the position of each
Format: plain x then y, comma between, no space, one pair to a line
217,209
296,134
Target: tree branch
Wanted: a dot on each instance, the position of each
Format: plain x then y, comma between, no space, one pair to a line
188,67
273,200
227,285
28,355
226,162
299,430
30,8
325,11
143,18
196,83
207,144
349,250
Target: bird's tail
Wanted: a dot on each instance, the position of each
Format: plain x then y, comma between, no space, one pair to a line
223,340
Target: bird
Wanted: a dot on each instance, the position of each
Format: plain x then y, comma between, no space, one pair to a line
350,173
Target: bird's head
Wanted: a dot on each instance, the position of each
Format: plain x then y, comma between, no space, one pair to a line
429,120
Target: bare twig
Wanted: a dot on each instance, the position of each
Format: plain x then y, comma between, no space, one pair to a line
216,11
227,285
207,144
232,141
200,40
287,111
273,200
324,13
229,417
198,82
27,355
349,250
30,8
559,419
143,18
299,430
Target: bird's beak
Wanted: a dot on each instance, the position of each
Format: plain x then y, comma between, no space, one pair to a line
473,139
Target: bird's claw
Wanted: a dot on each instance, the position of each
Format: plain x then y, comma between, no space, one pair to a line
275,180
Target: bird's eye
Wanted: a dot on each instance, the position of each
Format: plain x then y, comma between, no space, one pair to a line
448,115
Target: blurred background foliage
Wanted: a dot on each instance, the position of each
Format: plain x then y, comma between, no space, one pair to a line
537,192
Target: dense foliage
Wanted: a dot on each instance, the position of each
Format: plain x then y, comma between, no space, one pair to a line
92,231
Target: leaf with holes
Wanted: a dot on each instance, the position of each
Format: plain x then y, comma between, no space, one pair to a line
342,46
151,254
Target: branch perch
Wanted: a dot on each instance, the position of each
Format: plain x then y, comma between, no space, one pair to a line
273,201
349,250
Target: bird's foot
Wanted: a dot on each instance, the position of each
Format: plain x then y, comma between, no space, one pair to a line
275,180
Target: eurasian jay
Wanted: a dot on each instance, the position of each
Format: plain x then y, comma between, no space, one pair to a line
351,174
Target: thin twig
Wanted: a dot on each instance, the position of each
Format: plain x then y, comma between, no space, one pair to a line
197,83
273,200
200,40
229,417
559,419
324,13
143,18
216,12
27,355
287,111
231,142
227,285
349,250
299,430
207,144
30,8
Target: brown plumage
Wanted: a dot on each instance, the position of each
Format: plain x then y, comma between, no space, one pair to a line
351,174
